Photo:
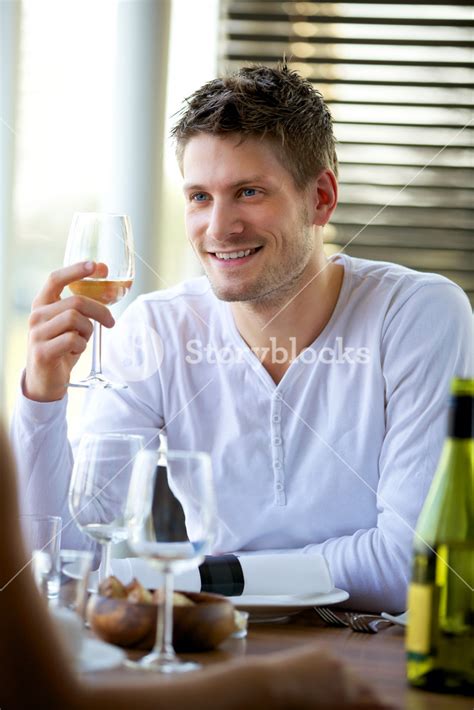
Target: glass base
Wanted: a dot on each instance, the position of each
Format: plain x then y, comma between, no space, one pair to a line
162,664
98,382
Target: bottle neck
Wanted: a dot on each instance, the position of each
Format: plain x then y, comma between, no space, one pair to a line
461,417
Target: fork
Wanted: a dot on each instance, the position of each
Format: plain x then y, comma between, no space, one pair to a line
329,617
367,623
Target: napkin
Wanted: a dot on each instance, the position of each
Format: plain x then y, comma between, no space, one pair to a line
231,575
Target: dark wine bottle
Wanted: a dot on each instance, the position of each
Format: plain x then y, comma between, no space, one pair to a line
440,634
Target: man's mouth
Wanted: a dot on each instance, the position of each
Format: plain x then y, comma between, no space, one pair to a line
234,255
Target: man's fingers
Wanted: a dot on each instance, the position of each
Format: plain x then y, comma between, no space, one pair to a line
66,344
81,304
59,279
65,322
101,270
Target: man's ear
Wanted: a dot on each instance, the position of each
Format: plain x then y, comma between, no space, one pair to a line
325,192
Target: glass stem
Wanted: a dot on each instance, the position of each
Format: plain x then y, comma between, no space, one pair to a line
164,628
105,569
96,367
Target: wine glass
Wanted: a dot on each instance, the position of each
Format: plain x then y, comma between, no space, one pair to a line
106,239
98,491
170,515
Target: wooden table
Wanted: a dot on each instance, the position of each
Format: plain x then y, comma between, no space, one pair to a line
380,658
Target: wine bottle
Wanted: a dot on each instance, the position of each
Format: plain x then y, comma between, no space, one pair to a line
440,635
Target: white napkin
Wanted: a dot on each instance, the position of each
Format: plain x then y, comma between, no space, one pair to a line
286,574
264,574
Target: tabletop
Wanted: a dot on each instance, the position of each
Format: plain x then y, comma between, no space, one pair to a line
379,658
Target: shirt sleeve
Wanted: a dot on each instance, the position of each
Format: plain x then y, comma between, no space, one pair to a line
43,451
426,342
44,461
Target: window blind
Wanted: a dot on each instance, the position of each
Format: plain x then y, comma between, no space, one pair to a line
398,79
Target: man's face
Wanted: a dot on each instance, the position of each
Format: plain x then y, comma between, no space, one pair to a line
241,202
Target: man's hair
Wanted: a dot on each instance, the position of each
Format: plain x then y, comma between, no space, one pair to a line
260,102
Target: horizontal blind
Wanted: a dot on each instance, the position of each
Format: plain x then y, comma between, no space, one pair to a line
398,79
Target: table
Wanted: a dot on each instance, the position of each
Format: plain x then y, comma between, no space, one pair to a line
379,658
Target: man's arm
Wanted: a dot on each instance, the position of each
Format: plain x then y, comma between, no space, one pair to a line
59,329
426,343
39,428
44,459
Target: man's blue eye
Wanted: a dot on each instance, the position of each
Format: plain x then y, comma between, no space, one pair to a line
249,191
199,197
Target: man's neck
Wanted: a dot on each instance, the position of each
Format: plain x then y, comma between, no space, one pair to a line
292,322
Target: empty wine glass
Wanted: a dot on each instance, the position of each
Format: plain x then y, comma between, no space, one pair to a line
106,239
98,491
170,518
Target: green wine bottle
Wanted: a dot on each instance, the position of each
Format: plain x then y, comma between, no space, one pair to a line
440,634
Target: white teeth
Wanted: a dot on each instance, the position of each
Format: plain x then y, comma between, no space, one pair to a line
233,254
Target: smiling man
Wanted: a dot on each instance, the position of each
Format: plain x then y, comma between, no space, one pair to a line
317,385
258,236
252,227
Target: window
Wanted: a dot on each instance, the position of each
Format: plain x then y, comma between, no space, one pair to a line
64,132
398,80
63,122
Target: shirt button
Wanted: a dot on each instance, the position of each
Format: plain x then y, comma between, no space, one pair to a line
277,441
278,397
279,486
276,418
277,464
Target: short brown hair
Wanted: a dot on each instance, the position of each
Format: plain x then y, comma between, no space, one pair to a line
258,101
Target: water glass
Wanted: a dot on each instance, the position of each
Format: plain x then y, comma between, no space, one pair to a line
76,567
68,612
42,536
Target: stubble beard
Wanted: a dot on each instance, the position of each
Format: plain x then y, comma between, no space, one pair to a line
278,283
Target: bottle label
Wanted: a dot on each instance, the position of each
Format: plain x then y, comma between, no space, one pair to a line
421,605
222,575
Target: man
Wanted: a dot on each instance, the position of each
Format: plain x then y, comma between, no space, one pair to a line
318,386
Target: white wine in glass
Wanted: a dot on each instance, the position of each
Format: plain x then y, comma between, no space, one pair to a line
106,239
107,291
170,516
100,480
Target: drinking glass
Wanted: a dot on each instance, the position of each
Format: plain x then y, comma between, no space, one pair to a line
68,614
42,535
98,491
76,567
170,515
106,239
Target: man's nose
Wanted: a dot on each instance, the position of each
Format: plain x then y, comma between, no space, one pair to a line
224,221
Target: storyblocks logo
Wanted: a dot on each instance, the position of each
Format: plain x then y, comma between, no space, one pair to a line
339,354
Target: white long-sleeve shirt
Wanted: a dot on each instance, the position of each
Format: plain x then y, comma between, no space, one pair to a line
337,458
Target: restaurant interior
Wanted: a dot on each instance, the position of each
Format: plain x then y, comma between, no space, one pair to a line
89,93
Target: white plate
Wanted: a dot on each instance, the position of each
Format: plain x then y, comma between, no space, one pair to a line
262,606
98,656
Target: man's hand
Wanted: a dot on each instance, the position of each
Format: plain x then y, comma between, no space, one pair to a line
59,330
